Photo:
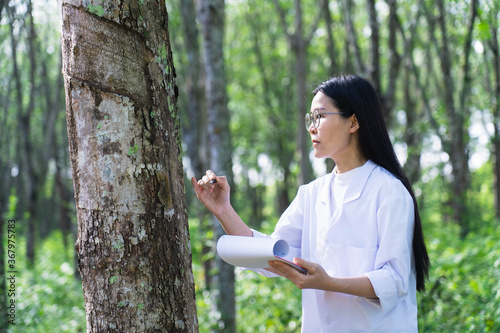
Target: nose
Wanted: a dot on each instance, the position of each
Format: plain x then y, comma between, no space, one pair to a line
312,129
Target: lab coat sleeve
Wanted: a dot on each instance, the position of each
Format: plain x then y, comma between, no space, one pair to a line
393,262
289,228
291,223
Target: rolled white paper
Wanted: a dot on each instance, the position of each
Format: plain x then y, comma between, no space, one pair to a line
253,252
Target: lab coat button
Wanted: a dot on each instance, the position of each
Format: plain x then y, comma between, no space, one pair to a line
328,321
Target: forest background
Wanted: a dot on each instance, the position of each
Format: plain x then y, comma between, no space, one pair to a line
436,65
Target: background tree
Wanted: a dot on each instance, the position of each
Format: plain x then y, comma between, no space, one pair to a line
298,41
211,16
457,114
488,31
124,138
195,121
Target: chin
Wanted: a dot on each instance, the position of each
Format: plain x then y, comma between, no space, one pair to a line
317,154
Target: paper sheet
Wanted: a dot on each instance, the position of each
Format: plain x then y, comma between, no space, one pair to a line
253,252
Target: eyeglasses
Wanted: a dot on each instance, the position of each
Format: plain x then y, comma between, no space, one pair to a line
312,119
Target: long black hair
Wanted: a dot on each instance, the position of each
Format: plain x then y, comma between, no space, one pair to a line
354,95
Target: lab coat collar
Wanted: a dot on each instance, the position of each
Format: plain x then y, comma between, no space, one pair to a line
355,188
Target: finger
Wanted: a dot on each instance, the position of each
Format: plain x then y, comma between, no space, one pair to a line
207,184
221,179
283,268
273,270
205,179
303,263
196,185
211,175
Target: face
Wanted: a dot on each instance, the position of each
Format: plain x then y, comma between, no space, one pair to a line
333,138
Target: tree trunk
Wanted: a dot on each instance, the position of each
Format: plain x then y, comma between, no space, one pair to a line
124,139
194,128
24,117
354,52
495,92
219,143
5,189
456,145
299,41
330,40
413,137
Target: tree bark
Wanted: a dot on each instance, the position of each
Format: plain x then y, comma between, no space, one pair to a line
194,128
24,118
413,136
211,14
299,41
495,92
496,117
352,39
124,139
330,41
456,145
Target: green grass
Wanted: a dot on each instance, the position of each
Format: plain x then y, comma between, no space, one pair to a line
48,297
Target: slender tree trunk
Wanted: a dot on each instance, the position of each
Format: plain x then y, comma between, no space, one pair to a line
5,190
330,41
31,180
299,46
299,42
374,65
2,5
194,129
493,46
413,137
124,139
26,167
394,60
455,144
459,155
352,39
219,143
194,88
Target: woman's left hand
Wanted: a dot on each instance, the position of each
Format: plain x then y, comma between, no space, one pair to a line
316,278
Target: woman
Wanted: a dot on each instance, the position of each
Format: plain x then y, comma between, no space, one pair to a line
357,230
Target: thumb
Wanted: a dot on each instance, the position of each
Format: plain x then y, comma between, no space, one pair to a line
302,262
222,180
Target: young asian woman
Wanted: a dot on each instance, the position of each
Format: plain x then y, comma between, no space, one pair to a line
357,230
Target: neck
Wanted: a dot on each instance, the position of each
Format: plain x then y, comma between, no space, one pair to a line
344,166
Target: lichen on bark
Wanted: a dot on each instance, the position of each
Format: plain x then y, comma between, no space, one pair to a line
124,148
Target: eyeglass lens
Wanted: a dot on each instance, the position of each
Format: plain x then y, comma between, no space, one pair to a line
312,119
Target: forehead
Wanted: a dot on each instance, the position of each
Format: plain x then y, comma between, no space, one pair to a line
321,102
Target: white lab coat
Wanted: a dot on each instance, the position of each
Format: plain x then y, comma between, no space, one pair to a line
370,234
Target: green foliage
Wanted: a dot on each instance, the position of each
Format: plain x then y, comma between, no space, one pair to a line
49,296
463,294
267,304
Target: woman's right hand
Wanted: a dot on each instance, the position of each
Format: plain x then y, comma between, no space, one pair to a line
213,195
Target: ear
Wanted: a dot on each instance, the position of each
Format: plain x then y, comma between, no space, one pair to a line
354,124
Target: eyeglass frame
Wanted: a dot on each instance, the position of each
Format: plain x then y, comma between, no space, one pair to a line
309,115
